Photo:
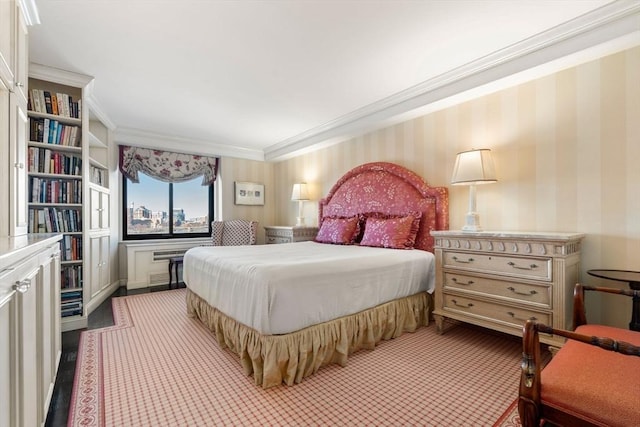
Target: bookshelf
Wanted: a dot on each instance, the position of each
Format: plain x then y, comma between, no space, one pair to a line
55,169
68,172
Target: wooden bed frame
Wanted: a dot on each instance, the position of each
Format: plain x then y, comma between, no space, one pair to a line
378,187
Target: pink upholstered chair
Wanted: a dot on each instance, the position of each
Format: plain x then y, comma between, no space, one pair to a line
234,232
593,380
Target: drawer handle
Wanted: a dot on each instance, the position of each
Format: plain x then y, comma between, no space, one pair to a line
469,305
22,286
455,258
530,267
470,282
526,294
519,318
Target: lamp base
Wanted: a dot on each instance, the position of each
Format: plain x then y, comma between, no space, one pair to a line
299,221
472,222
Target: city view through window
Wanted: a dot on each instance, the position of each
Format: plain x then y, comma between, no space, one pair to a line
148,206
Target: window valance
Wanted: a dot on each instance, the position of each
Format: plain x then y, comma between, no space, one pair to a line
167,166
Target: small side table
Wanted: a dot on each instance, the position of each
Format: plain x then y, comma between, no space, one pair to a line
633,279
174,263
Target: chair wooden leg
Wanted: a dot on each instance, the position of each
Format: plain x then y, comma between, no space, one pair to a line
529,395
170,273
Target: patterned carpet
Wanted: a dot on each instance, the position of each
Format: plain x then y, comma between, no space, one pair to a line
157,367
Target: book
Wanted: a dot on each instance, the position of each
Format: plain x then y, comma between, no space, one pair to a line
60,98
46,128
43,108
47,102
54,104
36,101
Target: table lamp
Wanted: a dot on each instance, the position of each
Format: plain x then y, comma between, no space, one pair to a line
471,168
300,194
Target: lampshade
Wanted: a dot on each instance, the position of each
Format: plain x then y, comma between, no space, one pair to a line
474,167
300,192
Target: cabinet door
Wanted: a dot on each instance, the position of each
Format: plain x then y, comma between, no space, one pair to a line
7,40
18,170
105,275
99,207
94,207
104,210
8,362
21,57
48,327
27,349
100,274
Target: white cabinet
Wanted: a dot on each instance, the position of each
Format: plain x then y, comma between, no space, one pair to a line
99,255
29,341
13,123
498,280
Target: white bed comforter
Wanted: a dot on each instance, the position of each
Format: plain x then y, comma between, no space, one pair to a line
277,289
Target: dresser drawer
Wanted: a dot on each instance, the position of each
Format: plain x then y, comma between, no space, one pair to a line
525,267
527,293
277,240
493,311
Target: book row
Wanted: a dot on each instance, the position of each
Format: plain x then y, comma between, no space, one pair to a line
48,190
71,277
98,175
43,160
53,132
59,104
53,220
71,248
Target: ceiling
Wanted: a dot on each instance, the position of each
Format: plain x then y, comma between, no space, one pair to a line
262,79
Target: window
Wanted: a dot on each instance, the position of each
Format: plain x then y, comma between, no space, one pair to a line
156,209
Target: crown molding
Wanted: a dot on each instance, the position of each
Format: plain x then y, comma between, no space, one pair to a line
96,111
56,75
30,12
604,25
142,138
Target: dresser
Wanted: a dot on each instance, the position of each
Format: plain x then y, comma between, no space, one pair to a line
498,280
288,234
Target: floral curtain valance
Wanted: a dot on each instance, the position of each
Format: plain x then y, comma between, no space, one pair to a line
167,166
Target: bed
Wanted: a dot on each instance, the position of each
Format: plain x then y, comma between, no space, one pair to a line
286,310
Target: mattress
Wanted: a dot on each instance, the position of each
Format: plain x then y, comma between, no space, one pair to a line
278,289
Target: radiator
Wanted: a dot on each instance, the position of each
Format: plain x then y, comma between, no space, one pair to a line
166,254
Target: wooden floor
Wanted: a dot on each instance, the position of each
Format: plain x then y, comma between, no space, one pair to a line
100,318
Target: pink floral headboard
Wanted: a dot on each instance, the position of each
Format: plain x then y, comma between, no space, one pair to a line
390,189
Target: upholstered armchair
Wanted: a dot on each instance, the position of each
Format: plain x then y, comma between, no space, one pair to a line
593,380
234,232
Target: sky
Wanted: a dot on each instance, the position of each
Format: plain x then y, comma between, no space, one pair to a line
153,194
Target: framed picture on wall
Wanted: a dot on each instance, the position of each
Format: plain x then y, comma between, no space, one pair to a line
248,193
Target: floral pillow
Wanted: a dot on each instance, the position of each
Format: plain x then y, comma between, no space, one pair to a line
391,232
415,226
336,230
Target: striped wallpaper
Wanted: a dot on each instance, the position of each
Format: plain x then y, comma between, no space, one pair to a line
567,154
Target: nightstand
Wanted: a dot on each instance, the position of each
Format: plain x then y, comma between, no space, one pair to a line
288,234
498,280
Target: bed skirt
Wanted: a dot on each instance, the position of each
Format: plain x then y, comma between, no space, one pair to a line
289,358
